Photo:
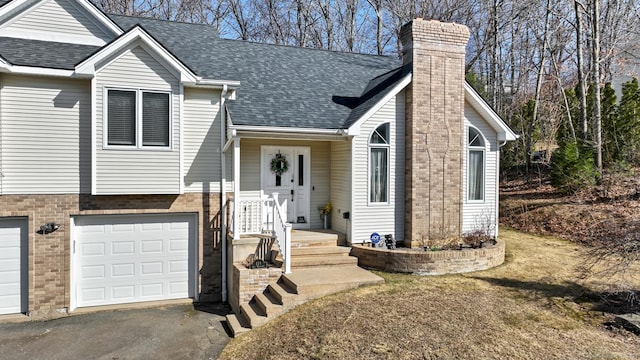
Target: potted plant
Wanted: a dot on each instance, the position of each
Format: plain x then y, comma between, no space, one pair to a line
325,211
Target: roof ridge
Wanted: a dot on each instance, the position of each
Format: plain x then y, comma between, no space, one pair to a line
162,20
311,48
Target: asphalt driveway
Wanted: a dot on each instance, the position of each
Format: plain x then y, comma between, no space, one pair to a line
170,332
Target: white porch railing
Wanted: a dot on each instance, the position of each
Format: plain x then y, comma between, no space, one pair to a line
282,231
260,216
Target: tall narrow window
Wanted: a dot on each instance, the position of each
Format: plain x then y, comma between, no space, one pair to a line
379,165
155,119
475,163
122,117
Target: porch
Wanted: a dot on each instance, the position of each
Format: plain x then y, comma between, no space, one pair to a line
279,186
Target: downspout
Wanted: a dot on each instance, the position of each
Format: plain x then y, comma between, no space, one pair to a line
223,193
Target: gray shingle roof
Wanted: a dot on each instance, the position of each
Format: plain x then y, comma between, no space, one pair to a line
280,85
44,53
375,91
3,2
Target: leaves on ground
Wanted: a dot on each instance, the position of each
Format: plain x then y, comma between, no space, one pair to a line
533,307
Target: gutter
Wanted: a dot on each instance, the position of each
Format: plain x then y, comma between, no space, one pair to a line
289,130
216,84
223,194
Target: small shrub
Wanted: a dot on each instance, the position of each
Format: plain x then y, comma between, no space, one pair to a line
572,168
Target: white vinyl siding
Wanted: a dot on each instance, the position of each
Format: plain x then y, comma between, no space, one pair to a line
202,141
46,134
341,186
60,19
388,217
476,213
147,170
320,168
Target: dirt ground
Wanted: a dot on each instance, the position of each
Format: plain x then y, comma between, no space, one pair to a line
531,204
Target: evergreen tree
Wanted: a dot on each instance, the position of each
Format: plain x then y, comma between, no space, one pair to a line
609,125
627,127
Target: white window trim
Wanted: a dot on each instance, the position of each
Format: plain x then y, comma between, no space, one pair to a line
483,149
384,146
139,125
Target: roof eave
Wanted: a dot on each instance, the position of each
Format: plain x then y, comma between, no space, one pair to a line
251,131
488,114
88,66
354,129
6,67
86,5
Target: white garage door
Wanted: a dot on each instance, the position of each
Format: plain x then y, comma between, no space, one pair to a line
13,265
132,258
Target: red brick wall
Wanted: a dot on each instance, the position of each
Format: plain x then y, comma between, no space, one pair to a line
434,128
49,255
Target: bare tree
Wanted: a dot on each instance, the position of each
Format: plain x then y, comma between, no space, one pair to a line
595,59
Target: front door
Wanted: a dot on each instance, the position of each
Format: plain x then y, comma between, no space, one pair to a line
286,170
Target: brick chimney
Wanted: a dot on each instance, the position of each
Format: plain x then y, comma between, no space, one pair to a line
434,129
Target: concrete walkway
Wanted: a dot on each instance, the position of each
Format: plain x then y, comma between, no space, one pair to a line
169,332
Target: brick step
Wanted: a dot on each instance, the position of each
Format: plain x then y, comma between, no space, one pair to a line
320,250
322,261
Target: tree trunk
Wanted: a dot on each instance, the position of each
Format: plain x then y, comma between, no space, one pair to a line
534,117
582,95
597,115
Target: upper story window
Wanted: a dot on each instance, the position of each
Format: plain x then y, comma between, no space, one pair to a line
138,118
476,165
379,165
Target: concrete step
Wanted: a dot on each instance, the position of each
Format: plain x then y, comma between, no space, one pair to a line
282,294
252,312
315,261
268,304
314,282
237,324
302,238
320,250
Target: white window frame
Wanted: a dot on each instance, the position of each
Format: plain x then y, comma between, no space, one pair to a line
139,118
483,150
386,146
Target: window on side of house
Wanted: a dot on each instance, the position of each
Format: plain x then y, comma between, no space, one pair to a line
476,165
379,165
138,118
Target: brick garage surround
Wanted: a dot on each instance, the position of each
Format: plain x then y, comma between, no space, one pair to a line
430,262
49,255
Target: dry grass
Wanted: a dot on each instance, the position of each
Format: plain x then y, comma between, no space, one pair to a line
532,307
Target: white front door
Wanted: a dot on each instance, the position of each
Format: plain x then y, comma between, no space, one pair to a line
292,184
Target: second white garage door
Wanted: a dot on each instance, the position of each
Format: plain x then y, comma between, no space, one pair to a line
133,258
13,265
